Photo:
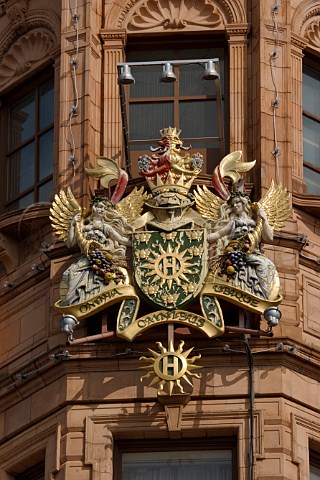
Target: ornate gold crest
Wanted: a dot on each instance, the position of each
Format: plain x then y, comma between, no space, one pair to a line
171,247
170,268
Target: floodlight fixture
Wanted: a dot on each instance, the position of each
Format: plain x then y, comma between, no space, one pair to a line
125,77
167,75
210,72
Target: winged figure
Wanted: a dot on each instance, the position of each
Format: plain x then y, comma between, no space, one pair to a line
237,229
102,234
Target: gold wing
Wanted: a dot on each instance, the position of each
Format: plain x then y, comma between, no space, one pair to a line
64,208
130,207
277,205
207,203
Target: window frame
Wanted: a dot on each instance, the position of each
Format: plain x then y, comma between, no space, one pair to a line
176,43
310,63
20,92
161,445
314,460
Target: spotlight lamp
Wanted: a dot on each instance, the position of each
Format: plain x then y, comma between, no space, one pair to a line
272,315
125,77
167,75
67,324
210,72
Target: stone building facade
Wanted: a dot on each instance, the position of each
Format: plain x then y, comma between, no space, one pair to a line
73,415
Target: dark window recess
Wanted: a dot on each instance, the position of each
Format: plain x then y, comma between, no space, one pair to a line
35,472
175,460
28,137
311,126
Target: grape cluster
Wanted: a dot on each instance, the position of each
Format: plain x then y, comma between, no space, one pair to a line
101,263
234,259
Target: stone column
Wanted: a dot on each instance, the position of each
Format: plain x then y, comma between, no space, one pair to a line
297,45
80,87
113,49
237,39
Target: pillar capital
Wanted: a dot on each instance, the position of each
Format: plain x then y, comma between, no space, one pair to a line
113,38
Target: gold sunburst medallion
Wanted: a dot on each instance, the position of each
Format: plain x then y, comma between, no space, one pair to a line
170,366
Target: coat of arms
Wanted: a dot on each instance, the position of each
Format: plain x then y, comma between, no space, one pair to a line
170,247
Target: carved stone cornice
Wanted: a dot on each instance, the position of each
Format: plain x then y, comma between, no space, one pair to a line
237,30
309,203
113,37
298,41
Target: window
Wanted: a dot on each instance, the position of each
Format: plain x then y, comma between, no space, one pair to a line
176,460
27,119
189,104
33,473
311,127
314,466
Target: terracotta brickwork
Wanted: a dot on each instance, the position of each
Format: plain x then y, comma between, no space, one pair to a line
70,410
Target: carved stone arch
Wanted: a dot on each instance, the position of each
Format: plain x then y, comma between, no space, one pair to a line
306,22
26,54
47,20
23,51
174,16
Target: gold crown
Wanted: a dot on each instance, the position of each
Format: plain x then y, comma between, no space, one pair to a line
170,133
168,171
169,185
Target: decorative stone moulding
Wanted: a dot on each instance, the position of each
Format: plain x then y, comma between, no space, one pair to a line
154,15
166,15
30,50
304,15
312,34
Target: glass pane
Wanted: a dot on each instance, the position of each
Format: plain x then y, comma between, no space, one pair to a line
26,201
199,119
46,104
45,192
147,78
311,141
22,121
191,82
46,154
310,89
314,473
147,119
148,84
20,171
312,180
184,465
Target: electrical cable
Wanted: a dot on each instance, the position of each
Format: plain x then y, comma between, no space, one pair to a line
276,101
251,407
74,109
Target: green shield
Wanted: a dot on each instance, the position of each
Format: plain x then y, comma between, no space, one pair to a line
170,268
